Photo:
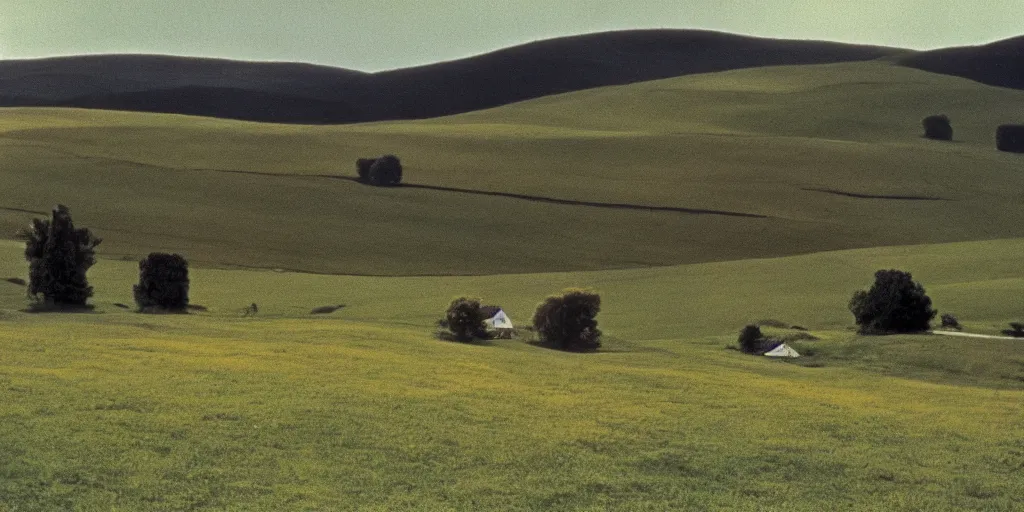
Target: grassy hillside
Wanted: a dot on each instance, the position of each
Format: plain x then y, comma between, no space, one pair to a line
813,158
997,63
300,93
364,409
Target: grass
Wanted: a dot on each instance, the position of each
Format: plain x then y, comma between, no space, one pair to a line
778,142
366,410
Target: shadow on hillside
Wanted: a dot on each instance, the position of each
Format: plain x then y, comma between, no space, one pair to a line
873,196
552,200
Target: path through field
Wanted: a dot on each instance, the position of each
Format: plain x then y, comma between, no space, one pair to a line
970,335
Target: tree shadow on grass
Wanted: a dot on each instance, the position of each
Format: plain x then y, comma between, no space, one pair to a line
44,308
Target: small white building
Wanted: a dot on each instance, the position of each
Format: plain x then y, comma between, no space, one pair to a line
498,322
782,350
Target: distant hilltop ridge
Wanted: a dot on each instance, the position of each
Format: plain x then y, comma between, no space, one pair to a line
305,93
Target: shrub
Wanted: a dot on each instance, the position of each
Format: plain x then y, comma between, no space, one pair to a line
1010,138
1016,330
568,321
937,127
465,320
363,168
386,171
59,256
950,322
163,284
894,304
751,339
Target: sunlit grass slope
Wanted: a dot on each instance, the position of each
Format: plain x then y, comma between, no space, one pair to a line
366,410
777,142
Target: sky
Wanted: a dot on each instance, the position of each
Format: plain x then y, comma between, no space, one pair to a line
372,35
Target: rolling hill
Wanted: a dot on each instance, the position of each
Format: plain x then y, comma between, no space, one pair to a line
693,204
298,93
999,63
748,163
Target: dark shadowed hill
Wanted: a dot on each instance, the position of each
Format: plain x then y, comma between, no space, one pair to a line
300,93
1000,64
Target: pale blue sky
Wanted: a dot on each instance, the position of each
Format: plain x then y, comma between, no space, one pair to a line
380,34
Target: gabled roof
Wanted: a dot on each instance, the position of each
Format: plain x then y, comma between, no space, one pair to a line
490,311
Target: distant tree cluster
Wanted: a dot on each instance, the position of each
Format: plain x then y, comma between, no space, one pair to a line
568,321
385,171
894,304
163,284
938,127
464,318
1010,138
59,256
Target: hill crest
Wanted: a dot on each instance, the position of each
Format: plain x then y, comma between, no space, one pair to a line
306,93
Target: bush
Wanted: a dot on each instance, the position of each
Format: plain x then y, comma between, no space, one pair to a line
751,339
363,168
568,321
950,322
1010,138
59,256
386,171
1016,330
465,320
937,127
163,284
894,304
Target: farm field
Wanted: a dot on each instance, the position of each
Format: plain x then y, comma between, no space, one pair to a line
693,205
365,409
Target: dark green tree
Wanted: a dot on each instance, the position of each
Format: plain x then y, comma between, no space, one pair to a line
894,304
163,284
465,319
938,127
386,171
569,321
751,339
59,256
1010,138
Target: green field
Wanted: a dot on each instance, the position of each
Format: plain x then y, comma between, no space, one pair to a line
769,141
366,409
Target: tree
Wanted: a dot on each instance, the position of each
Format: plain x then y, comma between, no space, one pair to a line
937,127
59,256
363,168
751,339
949,321
568,321
894,304
386,171
1010,138
465,319
163,284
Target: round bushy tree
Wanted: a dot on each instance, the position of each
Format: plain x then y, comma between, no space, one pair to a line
465,319
59,256
569,321
163,284
750,339
894,304
1010,138
386,171
938,127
